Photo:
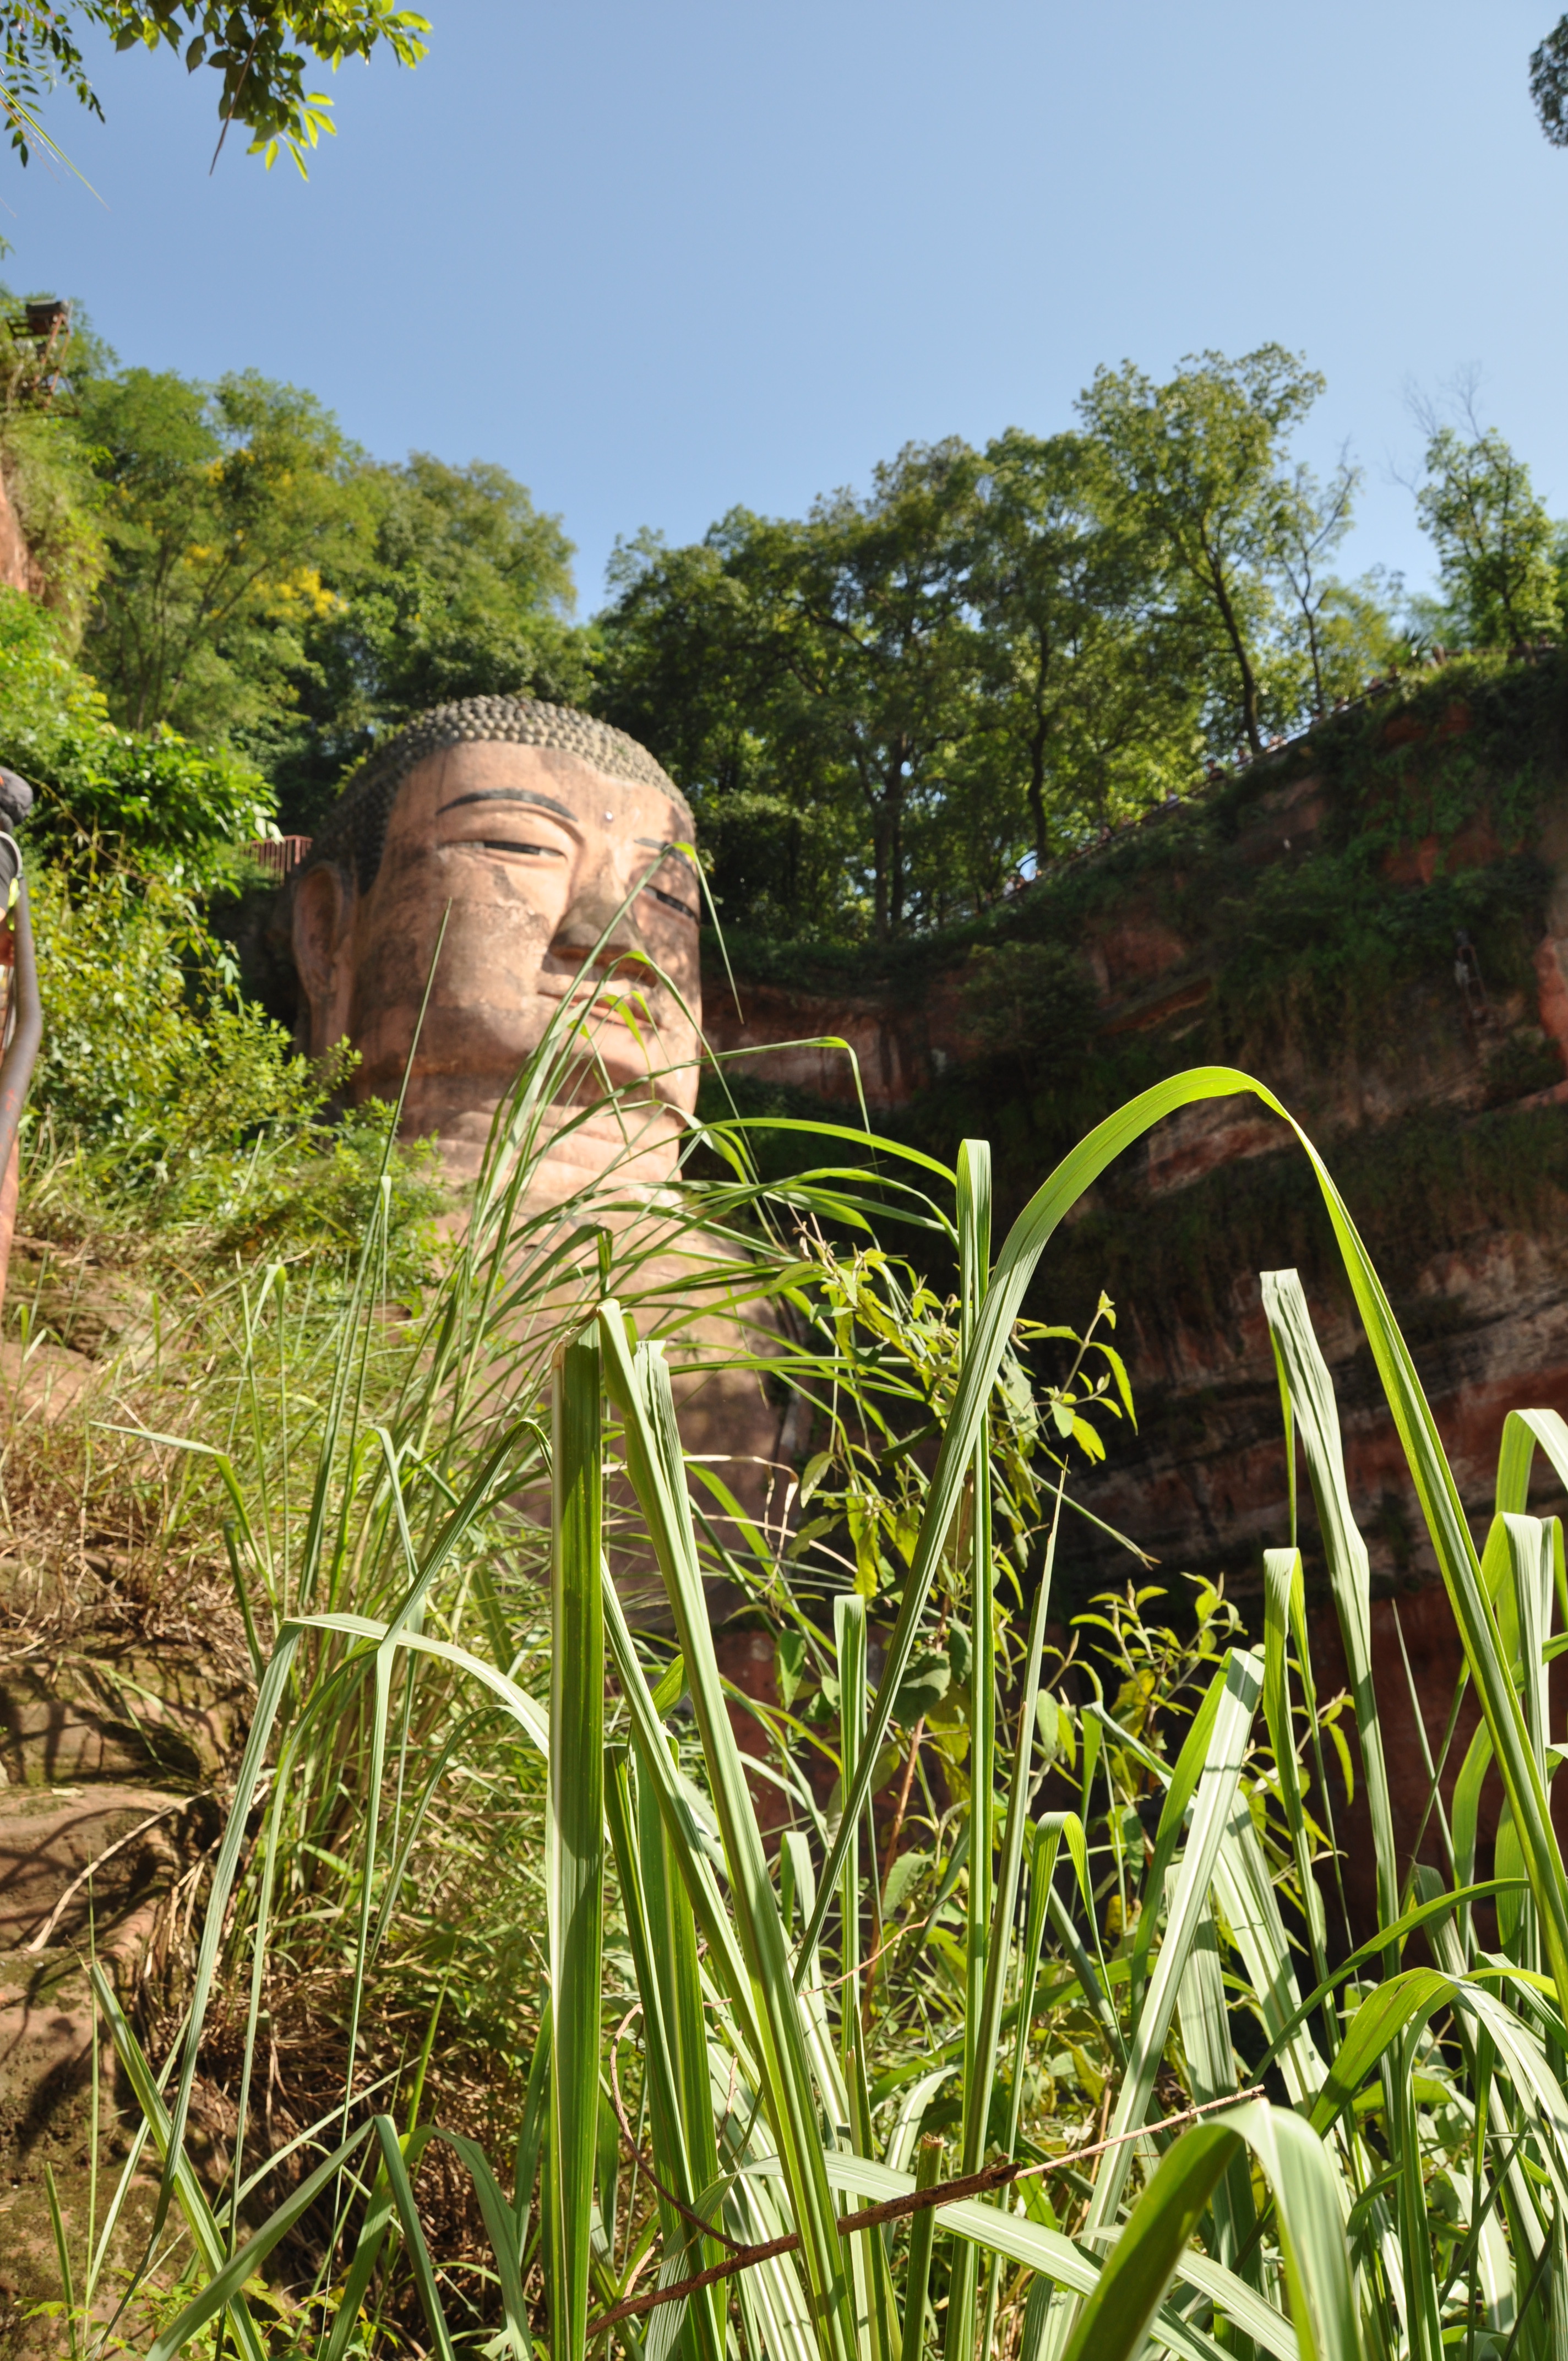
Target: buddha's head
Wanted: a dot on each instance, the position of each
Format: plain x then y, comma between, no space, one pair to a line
546,840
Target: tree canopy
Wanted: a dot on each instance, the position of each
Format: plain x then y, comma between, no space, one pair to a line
1548,83
452,584
1493,539
228,509
885,709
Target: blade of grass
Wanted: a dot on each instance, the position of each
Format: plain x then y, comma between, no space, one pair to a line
640,1389
1306,1375
1117,2317
1239,1684
573,1854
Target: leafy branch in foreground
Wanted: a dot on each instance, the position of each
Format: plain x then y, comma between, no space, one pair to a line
248,44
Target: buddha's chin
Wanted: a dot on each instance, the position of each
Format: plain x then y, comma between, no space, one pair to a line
623,1125
631,1150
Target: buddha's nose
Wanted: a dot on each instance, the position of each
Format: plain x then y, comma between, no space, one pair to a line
600,923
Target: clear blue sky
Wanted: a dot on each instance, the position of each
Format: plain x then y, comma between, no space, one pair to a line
658,260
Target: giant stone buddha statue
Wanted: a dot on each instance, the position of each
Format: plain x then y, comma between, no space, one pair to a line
549,843
528,827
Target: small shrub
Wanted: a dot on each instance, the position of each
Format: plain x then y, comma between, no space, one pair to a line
1525,1063
145,798
162,1095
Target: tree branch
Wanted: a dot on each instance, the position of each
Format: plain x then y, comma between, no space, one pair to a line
897,2209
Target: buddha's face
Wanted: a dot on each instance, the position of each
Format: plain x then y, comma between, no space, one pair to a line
534,852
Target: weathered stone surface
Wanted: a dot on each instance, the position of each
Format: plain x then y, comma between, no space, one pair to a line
117,1714
113,1738
85,1872
525,854
527,842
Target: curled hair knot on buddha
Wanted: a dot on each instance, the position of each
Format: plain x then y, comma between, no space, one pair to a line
354,833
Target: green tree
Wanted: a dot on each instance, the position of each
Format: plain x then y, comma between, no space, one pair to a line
1201,462
1548,83
455,585
228,509
879,657
812,682
1087,712
1358,637
1311,519
1493,537
690,659
260,48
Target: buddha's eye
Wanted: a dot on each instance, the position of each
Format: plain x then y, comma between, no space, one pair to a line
510,844
674,902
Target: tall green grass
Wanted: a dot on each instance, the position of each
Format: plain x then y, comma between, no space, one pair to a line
1263,2149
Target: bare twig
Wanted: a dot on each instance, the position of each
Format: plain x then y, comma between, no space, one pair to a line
896,2209
233,103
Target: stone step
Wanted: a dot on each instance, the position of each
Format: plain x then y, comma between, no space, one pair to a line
122,1714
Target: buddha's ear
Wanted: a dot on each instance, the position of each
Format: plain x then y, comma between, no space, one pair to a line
322,925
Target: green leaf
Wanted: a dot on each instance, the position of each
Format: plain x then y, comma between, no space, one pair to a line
1116,2318
671,1687
789,1656
925,1685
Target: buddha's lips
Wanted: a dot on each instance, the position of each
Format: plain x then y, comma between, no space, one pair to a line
647,993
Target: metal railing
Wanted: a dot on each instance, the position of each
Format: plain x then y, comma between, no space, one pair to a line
280,855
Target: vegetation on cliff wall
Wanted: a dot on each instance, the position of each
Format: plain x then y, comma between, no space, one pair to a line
1482,737
1316,964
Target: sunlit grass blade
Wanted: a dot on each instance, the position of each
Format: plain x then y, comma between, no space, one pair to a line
1284,1618
1300,2179
873,2293
573,1854
984,1924
1211,2068
662,1933
1238,1685
640,1387
1305,1372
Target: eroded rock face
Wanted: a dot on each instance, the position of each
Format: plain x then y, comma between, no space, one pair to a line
17,571
1472,1061
1440,1102
110,1749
